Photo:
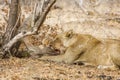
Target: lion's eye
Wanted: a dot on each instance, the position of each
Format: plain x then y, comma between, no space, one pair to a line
68,35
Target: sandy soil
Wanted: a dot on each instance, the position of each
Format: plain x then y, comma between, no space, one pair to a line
34,69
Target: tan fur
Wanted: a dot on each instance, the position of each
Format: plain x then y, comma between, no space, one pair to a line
88,50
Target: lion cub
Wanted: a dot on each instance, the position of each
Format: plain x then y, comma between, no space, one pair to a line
88,50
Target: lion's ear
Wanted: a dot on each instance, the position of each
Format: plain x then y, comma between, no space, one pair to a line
69,33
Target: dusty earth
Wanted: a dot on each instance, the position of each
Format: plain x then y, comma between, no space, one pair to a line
104,23
34,69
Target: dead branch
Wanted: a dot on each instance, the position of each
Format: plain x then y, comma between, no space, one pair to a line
43,16
37,25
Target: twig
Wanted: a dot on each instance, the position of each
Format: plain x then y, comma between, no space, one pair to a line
43,15
15,26
33,15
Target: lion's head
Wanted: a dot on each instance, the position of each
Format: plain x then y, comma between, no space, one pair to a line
64,40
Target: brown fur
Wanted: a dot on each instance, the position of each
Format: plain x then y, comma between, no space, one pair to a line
88,50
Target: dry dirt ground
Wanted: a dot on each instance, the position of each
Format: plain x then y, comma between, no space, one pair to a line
34,69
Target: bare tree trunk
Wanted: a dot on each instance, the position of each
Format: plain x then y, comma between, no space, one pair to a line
13,24
11,38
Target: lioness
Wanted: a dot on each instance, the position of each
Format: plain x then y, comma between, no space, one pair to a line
88,50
